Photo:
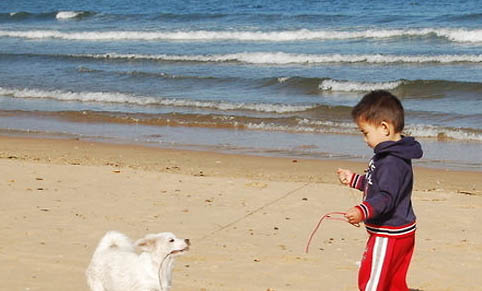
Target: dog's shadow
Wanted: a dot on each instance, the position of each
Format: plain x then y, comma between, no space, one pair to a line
415,289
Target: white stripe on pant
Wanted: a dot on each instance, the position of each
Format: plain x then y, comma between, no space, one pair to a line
378,257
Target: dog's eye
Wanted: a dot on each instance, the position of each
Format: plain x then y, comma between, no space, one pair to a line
171,240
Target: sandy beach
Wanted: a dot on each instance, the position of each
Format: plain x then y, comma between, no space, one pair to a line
248,217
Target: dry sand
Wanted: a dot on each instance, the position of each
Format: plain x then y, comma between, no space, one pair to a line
248,217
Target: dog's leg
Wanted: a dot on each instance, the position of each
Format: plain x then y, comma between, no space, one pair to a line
96,285
93,281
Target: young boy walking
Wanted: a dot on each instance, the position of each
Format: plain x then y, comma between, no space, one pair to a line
387,184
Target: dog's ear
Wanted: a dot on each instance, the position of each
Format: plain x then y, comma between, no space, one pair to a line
146,244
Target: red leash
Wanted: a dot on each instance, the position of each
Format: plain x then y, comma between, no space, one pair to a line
327,216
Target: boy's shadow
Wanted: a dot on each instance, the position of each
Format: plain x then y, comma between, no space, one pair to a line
415,289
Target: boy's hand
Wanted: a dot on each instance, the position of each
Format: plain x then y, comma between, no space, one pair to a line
344,176
354,215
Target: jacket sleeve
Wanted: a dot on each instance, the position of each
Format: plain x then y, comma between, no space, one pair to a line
357,181
389,180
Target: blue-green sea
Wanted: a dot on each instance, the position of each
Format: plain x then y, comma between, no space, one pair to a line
258,77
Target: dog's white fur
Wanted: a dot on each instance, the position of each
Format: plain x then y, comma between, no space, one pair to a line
119,264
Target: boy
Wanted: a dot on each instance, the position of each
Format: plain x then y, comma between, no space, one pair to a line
387,187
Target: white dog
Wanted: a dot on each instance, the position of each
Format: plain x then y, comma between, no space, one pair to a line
146,265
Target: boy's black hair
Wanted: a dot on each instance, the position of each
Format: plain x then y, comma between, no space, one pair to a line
378,106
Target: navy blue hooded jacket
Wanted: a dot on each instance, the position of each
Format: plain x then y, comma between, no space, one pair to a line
387,186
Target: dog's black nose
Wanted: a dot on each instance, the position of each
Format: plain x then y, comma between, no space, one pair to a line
187,241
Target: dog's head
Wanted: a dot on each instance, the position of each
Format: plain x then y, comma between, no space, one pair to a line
163,244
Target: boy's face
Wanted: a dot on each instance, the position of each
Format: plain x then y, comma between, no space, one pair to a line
374,134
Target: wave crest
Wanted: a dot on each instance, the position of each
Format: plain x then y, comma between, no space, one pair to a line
116,97
351,86
442,133
70,14
451,34
281,58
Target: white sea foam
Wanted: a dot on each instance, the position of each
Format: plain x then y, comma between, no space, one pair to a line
462,35
281,58
115,97
326,123
277,127
283,79
298,128
68,14
439,132
419,131
351,86
321,126
456,35
303,125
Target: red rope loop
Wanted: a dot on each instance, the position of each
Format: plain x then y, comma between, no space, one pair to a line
327,216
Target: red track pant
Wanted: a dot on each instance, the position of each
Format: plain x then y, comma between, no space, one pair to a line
385,263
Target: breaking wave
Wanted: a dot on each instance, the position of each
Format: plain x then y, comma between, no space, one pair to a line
281,58
442,133
405,88
451,34
115,97
71,14
350,86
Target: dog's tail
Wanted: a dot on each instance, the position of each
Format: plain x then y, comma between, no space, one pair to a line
114,240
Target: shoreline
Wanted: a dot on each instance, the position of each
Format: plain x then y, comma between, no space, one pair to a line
440,152
248,217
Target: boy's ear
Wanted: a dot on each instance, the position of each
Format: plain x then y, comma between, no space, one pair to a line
385,127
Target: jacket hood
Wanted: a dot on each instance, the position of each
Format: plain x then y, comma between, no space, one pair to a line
406,148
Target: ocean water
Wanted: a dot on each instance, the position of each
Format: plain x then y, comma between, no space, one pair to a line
260,77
